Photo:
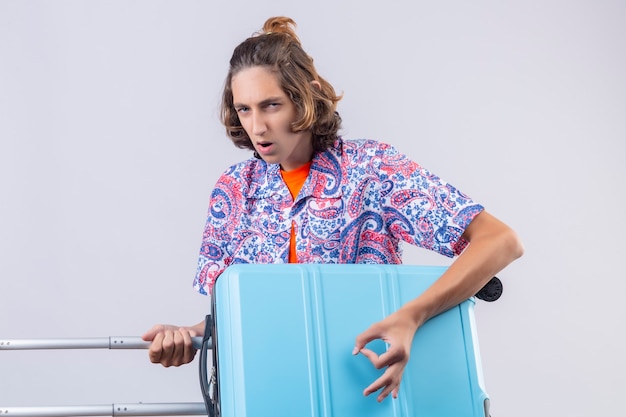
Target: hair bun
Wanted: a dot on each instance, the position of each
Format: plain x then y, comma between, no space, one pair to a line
281,24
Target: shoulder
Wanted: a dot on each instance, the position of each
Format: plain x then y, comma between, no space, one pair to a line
367,147
245,177
245,169
372,153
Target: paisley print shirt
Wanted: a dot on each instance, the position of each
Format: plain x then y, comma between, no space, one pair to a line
360,200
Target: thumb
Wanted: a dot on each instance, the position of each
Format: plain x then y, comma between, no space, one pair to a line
150,334
363,339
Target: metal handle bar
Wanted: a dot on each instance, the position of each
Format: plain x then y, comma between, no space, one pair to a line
155,409
111,342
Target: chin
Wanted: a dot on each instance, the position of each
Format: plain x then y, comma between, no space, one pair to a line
269,159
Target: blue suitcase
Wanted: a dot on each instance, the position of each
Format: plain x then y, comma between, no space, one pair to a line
283,337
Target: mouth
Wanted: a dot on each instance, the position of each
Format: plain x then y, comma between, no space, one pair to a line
264,147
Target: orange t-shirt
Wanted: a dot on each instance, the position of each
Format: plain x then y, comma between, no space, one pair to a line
295,180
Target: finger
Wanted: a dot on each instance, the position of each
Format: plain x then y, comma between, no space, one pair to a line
156,348
178,351
387,358
364,338
385,392
391,356
150,334
189,351
168,348
381,382
387,382
372,356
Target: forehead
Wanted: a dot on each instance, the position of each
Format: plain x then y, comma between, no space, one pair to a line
255,84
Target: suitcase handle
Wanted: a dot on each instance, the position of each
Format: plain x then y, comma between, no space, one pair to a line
205,384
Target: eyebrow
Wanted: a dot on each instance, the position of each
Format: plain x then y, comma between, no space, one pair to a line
263,102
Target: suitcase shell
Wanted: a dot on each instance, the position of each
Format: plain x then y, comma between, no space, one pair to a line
284,335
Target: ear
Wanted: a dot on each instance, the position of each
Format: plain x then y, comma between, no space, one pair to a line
316,84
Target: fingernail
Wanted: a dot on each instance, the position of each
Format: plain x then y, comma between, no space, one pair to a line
355,350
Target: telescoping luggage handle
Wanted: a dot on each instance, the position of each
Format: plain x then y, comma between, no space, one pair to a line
127,409
110,342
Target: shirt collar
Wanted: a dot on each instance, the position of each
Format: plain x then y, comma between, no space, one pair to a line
324,181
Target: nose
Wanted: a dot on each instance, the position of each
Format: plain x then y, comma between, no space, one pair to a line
259,127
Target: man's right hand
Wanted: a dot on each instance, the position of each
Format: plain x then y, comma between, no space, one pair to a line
172,345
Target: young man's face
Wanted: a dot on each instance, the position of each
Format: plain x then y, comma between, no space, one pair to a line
266,114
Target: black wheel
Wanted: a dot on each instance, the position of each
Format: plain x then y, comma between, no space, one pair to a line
491,291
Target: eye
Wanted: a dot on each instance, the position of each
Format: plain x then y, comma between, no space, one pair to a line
272,106
241,109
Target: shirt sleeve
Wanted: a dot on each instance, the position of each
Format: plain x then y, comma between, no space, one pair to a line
215,249
421,208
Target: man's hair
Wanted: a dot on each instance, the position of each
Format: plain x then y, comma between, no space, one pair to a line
278,48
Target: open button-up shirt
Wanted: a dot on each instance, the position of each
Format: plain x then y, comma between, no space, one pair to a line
360,200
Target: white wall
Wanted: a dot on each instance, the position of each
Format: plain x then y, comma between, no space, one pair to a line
110,144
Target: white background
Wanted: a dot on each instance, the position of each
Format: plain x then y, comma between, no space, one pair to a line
110,144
